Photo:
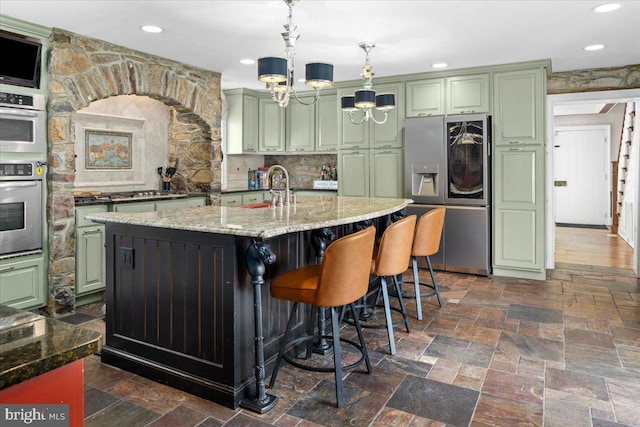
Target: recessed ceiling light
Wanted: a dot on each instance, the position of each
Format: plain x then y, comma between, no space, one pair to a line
607,7
247,61
151,29
440,65
594,47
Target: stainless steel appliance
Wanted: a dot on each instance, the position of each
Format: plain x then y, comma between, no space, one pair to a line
447,162
21,208
22,123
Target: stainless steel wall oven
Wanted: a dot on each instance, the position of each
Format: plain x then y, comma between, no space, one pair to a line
21,208
22,123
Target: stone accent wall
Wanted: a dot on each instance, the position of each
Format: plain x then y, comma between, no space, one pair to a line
83,70
597,79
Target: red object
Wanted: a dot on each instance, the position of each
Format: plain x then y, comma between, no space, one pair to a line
256,206
62,385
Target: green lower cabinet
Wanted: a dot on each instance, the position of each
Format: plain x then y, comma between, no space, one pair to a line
90,259
21,282
134,207
193,202
386,177
370,173
231,200
519,222
353,173
163,205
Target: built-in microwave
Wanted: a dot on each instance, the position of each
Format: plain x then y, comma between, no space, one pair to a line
22,123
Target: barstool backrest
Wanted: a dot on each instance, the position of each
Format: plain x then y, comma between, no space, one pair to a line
344,272
394,250
426,241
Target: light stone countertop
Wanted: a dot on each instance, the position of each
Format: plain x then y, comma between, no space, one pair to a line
309,213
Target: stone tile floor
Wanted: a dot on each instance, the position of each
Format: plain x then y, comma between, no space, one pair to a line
500,352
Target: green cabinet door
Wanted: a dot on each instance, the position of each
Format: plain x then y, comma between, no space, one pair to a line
242,122
231,200
21,282
388,134
327,123
468,94
271,126
519,107
353,173
425,98
351,136
301,126
386,178
90,259
519,221
193,202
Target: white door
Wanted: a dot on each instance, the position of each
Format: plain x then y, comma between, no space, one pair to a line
580,176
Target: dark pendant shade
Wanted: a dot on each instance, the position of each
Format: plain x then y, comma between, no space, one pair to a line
348,103
365,98
385,101
318,74
272,69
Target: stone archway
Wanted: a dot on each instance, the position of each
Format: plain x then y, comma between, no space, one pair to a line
83,70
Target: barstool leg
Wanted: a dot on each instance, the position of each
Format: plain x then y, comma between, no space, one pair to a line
285,340
387,313
365,353
433,279
337,357
403,309
416,286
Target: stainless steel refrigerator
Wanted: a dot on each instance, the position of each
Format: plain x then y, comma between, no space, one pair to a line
447,163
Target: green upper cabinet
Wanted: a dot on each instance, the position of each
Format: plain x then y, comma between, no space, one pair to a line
519,107
327,123
370,134
271,126
301,125
242,121
467,94
425,98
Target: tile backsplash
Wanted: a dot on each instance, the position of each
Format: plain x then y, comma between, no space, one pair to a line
303,169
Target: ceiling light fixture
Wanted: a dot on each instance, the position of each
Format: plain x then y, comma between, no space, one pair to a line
151,29
365,99
440,65
278,73
607,7
247,61
594,47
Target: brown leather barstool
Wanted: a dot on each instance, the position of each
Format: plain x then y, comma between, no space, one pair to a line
426,242
390,260
341,279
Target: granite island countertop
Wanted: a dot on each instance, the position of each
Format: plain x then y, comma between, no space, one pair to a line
308,213
32,345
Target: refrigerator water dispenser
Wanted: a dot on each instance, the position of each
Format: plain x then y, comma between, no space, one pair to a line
424,182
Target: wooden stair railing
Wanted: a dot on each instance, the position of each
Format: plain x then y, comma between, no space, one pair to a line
621,167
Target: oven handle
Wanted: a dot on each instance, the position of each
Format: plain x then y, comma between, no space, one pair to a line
14,112
30,183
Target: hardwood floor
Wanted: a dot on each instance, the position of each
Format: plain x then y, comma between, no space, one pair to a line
589,246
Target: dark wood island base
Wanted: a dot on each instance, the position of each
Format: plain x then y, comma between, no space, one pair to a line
190,308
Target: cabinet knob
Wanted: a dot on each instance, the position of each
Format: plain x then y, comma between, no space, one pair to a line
516,142
516,149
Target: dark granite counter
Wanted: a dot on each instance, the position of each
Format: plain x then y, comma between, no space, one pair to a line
32,345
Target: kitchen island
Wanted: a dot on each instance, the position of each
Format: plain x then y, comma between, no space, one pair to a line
184,288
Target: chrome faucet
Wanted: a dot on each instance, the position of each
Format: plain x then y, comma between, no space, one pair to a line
279,200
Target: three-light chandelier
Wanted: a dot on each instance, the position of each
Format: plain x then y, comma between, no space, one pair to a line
366,99
278,73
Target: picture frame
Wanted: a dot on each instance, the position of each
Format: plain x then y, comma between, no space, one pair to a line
106,149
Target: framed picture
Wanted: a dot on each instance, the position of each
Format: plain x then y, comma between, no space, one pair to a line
105,149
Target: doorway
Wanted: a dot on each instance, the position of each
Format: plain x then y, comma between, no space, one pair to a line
572,99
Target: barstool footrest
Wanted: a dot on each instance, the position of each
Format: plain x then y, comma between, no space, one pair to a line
300,340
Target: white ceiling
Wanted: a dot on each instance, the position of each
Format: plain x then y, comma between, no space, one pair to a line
410,35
